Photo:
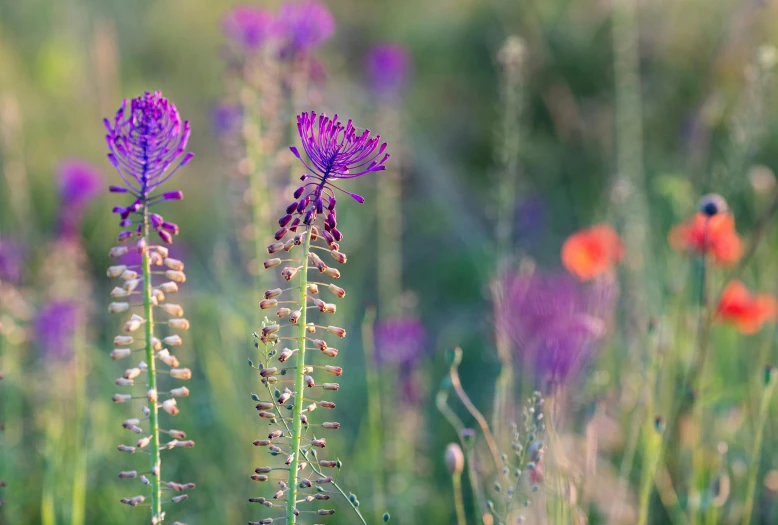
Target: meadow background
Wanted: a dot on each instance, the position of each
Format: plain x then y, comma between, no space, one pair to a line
611,121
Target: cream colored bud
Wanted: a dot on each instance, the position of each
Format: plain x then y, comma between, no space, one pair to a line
155,259
180,373
130,285
283,312
320,344
179,499
295,316
144,442
116,271
186,444
142,366
173,340
117,308
118,293
313,288
330,308
174,264
331,386
178,434
267,303
311,407
124,382
121,398
170,406
315,260
179,324
122,340
319,443
334,370
152,396
285,354
331,425
175,276
339,292
128,275
133,324
319,304
161,250
335,330
132,373
332,272
454,459
156,344
330,352
338,256
179,392
120,353
168,287
117,251
158,294
167,358
153,301
175,310
271,263
310,328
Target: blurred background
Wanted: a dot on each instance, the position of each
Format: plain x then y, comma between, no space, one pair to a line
512,125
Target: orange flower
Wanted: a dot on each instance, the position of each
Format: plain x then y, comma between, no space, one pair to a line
713,235
592,252
747,312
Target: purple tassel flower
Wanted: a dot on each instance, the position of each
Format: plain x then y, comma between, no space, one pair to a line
387,67
79,183
248,26
302,26
144,144
554,322
399,340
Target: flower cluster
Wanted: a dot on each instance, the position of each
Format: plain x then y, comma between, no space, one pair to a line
334,152
145,142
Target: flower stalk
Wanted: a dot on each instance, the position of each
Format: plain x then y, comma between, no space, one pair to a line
771,378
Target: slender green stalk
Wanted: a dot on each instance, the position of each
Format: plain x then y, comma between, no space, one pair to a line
374,410
756,450
78,499
459,504
154,451
652,452
299,384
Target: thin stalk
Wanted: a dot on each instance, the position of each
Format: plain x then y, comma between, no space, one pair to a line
374,410
154,451
78,500
299,387
459,504
652,452
756,450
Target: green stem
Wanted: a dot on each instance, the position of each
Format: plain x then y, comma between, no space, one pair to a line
78,500
374,412
154,451
756,450
299,387
456,481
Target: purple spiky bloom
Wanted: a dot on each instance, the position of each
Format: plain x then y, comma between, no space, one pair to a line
79,183
334,151
248,26
55,328
387,67
399,340
147,147
302,26
11,259
554,322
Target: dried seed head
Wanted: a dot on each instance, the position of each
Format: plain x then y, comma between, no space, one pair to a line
334,370
181,373
331,386
169,406
179,324
121,398
173,309
120,353
334,330
174,264
267,303
330,352
168,287
270,263
116,271
175,276
180,392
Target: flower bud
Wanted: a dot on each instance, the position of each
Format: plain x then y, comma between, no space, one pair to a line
151,395
267,372
283,312
295,316
309,382
175,276
332,272
120,353
338,256
320,344
121,398
330,352
158,295
124,382
288,273
267,415
128,474
174,264
117,308
169,406
329,308
122,340
173,340
144,442
131,373
181,373
455,460
330,386
116,271
128,275
270,263
177,434
319,443
334,330
334,370
168,287
133,324
117,251
180,392
118,293
327,404
339,292
285,354
313,288
125,448
129,286
275,292
176,310
275,247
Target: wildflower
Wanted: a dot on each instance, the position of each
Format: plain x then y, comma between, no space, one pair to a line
553,321
399,340
746,311
248,26
387,67
710,232
302,26
592,252
78,184
55,328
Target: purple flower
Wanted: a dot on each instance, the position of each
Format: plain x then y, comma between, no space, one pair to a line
226,119
302,26
553,321
399,340
11,258
144,144
248,26
79,183
387,67
55,328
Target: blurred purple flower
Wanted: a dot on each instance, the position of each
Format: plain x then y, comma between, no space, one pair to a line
55,328
248,26
11,259
302,26
399,340
79,183
554,322
387,67
226,119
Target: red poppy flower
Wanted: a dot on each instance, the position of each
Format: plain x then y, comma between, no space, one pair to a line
592,252
711,235
747,312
